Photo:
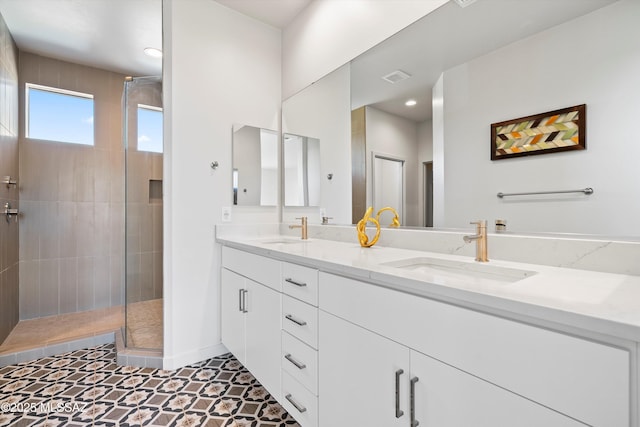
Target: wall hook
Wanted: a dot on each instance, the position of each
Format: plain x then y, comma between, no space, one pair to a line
330,176
214,165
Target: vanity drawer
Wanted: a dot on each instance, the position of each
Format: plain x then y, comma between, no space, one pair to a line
299,402
300,361
300,320
255,267
583,379
300,282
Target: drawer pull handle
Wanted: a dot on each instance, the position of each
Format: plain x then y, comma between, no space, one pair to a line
412,397
399,412
293,282
296,321
295,362
295,404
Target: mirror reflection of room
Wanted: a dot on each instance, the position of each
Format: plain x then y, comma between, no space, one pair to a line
255,166
460,87
301,170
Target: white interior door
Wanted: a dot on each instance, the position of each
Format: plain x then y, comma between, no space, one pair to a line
388,183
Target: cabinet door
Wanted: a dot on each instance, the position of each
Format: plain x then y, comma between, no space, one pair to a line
233,327
263,347
357,371
448,397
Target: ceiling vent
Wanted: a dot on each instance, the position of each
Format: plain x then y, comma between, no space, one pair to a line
464,3
396,76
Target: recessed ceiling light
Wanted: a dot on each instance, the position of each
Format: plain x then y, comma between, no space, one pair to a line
153,52
410,103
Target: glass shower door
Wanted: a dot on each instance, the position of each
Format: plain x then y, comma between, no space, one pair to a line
142,105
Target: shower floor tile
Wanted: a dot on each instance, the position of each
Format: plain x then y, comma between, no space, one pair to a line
86,387
144,327
34,333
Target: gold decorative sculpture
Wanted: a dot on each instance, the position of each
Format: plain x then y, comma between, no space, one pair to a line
361,227
396,218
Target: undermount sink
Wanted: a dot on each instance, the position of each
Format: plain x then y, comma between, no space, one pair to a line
460,269
282,241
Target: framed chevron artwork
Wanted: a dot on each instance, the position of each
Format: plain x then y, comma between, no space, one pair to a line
550,132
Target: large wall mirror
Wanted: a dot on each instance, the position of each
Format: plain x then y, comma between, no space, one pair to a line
319,114
462,81
255,166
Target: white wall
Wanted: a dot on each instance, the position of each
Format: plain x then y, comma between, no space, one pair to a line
323,111
398,138
594,60
220,68
269,143
425,154
330,33
437,123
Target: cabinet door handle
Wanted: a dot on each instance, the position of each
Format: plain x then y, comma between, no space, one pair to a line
293,282
412,398
399,412
296,321
295,404
244,301
295,362
240,293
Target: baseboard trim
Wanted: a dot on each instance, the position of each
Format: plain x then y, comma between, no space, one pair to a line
190,357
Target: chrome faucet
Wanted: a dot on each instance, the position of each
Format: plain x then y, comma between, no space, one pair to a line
481,240
303,226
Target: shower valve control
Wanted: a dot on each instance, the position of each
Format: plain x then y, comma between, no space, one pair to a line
8,212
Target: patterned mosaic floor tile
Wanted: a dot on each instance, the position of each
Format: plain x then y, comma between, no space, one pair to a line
86,387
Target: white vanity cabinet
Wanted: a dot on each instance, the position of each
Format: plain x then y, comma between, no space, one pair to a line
251,318
369,380
337,351
507,368
300,343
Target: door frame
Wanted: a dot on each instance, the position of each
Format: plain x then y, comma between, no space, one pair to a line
427,168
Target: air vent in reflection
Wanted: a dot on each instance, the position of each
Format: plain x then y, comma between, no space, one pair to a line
464,3
396,76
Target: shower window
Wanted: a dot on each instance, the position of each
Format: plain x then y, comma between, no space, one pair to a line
149,128
60,115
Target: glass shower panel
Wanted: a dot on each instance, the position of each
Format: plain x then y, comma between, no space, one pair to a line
142,104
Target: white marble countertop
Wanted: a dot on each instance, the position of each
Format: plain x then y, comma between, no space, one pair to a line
603,303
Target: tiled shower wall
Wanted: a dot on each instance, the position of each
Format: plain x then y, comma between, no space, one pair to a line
72,199
8,166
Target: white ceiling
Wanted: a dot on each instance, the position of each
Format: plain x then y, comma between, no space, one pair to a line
111,34
108,34
277,13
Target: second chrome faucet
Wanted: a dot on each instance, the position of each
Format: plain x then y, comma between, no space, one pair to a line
480,237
